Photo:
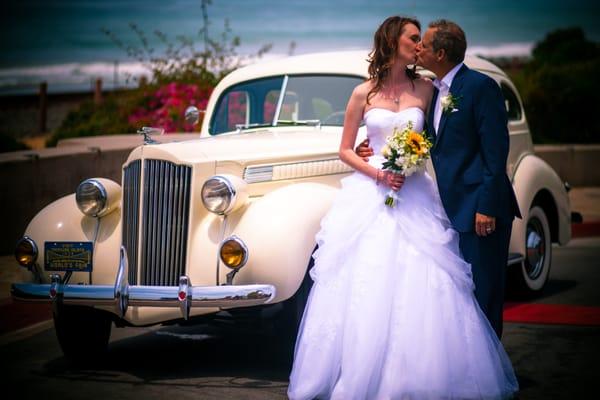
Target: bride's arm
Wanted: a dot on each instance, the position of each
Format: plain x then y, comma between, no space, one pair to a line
352,119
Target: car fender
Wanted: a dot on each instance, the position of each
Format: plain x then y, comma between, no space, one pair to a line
279,230
62,220
532,177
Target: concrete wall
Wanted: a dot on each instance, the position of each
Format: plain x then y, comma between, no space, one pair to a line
29,180
577,164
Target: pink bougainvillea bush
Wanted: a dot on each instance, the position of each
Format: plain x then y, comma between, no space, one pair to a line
164,107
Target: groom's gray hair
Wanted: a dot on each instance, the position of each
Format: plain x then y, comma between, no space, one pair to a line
450,37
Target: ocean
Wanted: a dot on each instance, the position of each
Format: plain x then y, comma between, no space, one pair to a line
62,41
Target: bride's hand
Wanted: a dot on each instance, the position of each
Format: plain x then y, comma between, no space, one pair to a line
392,179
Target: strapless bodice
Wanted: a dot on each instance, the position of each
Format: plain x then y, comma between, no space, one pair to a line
381,122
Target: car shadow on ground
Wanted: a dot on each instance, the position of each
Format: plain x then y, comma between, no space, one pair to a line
552,288
186,355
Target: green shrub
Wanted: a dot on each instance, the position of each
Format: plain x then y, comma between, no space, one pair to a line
107,118
559,88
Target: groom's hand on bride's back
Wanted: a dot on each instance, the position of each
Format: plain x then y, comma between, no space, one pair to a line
363,150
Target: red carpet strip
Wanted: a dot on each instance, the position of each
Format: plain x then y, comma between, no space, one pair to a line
558,314
585,229
17,315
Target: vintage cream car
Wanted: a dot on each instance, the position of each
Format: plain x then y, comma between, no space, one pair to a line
225,224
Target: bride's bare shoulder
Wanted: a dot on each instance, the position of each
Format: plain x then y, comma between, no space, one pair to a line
363,89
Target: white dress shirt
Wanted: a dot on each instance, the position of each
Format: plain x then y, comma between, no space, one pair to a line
443,86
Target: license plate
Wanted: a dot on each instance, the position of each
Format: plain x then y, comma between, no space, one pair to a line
68,256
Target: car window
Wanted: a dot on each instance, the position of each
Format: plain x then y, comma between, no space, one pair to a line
513,107
252,102
306,99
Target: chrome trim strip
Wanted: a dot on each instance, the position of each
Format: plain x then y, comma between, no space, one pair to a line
301,169
258,174
280,100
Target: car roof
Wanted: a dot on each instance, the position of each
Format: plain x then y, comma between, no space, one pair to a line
339,62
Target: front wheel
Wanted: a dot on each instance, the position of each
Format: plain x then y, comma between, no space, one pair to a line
531,275
82,332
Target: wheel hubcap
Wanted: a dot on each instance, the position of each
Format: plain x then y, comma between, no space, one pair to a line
536,249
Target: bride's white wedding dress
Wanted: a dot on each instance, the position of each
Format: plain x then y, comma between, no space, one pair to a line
392,314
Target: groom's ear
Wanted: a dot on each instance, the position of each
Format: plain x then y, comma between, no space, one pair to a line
440,55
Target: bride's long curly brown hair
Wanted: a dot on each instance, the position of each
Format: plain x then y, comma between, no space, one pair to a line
385,48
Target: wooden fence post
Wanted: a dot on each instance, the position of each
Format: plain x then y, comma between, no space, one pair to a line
98,91
43,107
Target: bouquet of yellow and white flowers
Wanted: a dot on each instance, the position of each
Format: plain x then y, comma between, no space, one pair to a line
405,152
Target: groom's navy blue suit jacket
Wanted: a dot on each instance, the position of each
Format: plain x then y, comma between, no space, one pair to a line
470,152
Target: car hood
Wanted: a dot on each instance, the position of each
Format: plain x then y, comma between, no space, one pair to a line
281,143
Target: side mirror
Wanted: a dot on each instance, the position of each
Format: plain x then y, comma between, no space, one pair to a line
192,115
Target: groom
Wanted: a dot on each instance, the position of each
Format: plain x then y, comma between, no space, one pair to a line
468,120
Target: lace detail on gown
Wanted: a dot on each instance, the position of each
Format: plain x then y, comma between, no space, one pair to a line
392,314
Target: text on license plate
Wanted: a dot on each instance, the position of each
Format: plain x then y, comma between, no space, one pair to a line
68,256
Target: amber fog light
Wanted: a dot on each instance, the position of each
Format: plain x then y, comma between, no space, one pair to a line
233,252
26,252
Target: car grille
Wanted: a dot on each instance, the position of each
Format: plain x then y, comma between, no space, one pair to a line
161,241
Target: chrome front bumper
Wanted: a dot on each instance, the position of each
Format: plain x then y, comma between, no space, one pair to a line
122,295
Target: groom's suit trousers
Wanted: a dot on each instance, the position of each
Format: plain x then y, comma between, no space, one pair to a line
488,256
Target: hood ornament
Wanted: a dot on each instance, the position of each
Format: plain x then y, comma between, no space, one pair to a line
148,131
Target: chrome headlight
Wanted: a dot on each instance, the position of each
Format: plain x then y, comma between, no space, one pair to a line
223,194
26,251
97,197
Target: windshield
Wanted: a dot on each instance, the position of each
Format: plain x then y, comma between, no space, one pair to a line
306,100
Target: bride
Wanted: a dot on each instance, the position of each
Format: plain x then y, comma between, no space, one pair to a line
392,314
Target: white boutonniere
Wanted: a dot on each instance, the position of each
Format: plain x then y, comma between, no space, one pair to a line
449,103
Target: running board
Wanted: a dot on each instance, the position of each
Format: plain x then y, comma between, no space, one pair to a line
515,258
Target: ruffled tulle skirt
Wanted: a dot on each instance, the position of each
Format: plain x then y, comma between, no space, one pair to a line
392,314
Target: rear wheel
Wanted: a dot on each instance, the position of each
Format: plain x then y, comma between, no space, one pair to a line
82,332
531,275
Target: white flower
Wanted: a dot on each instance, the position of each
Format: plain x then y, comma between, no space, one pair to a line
449,103
410,170
399,161
386,151
446,101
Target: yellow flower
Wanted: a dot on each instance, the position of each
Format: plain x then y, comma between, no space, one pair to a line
416,142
